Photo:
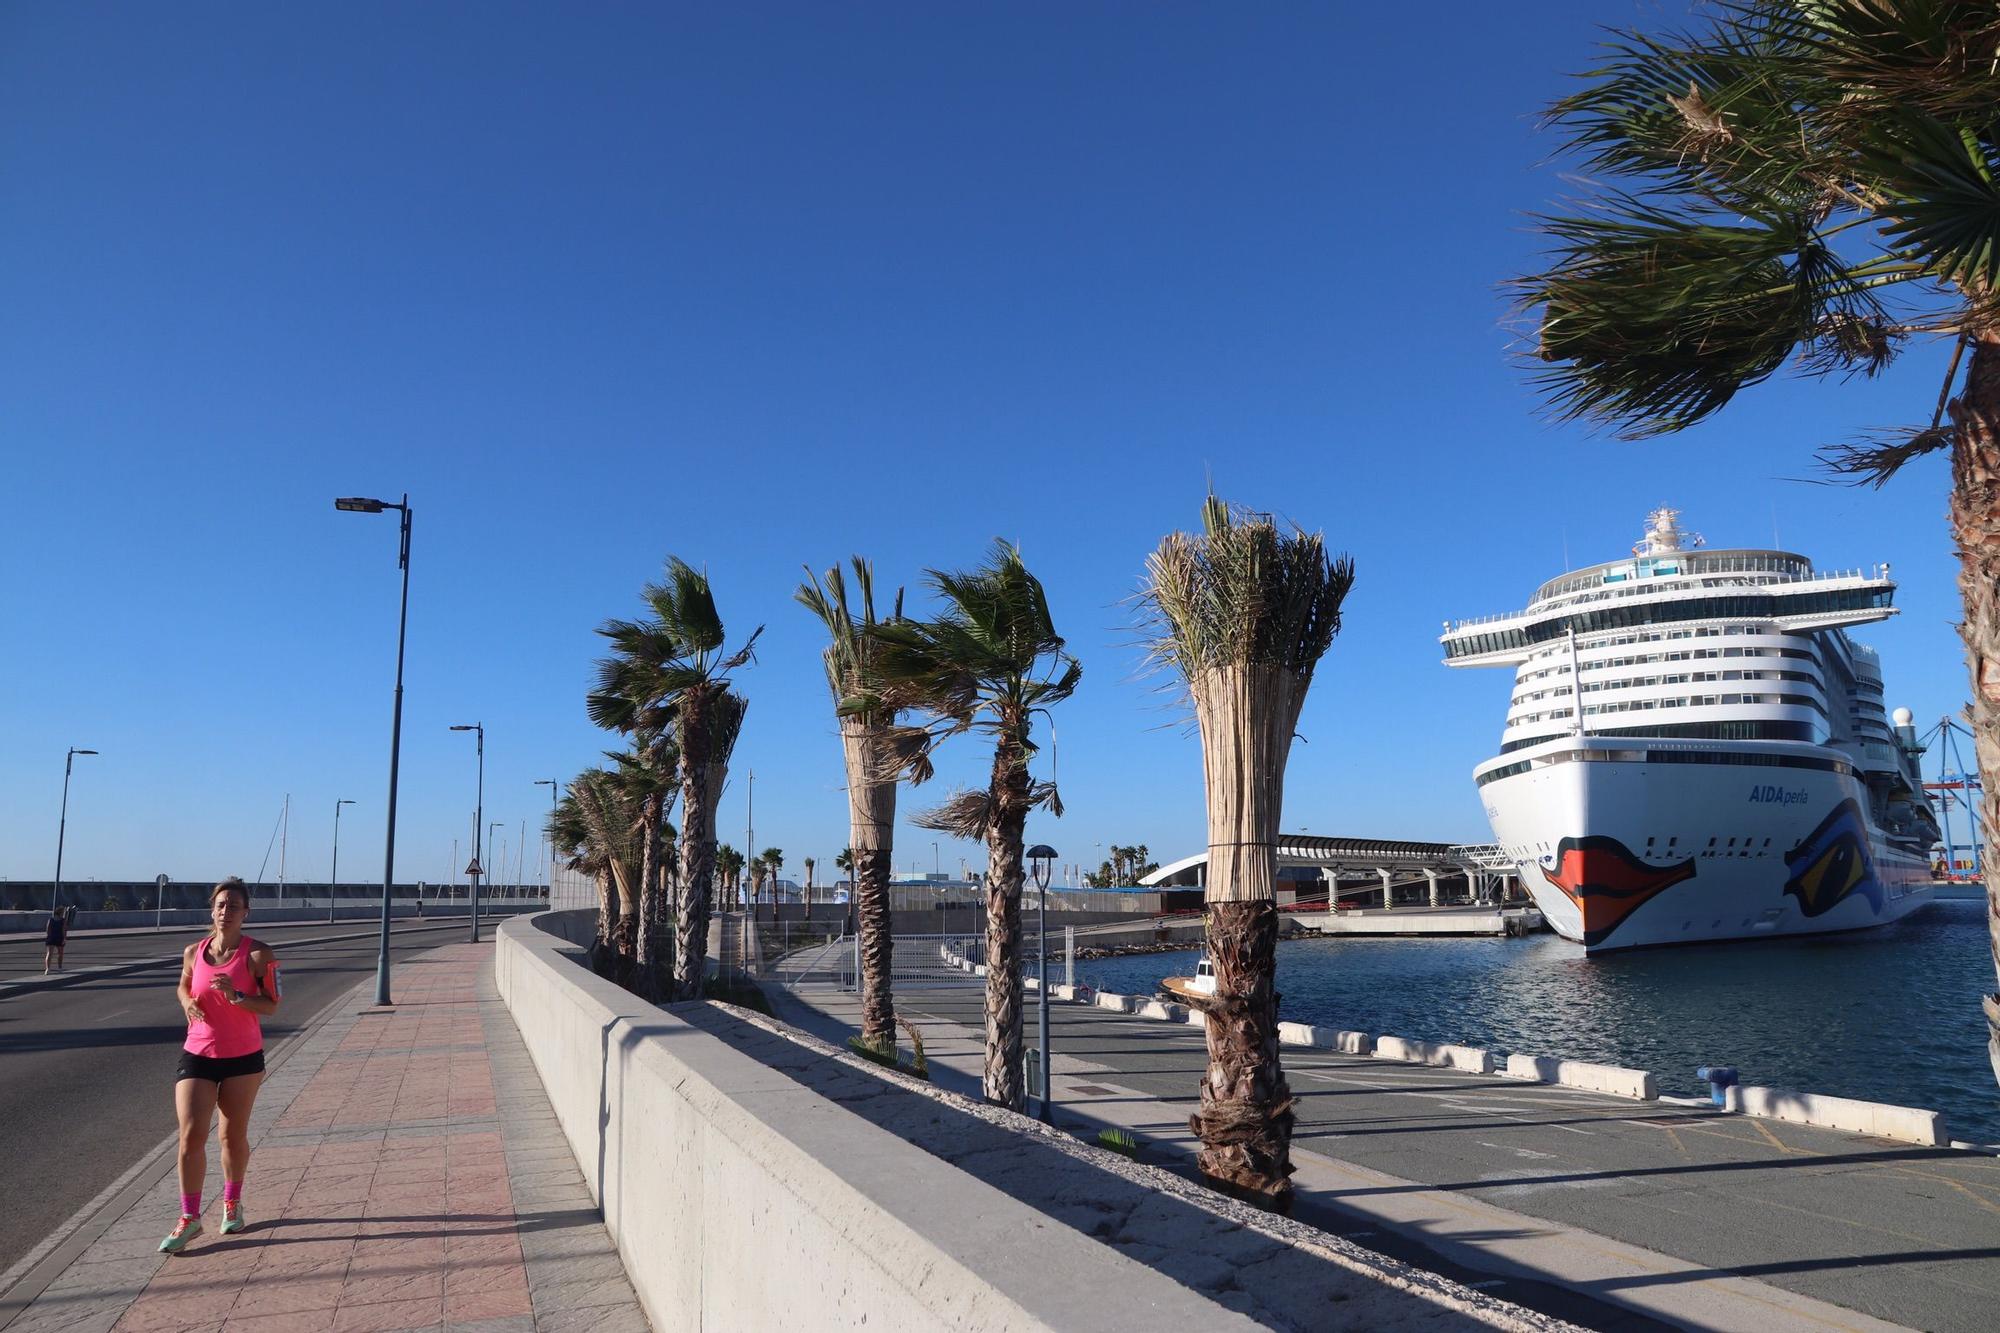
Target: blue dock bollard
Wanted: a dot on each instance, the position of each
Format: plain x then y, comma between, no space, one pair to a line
1719,1078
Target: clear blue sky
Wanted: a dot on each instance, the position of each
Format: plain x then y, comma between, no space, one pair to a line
762,285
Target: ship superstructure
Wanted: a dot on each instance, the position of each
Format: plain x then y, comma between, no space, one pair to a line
1696,750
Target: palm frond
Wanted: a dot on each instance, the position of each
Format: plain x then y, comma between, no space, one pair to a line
1242,593
1878,456
964,814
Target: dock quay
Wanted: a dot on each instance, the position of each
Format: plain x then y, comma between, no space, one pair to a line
1463,919
1608,1211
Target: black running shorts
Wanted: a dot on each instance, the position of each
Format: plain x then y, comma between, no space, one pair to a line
214,1070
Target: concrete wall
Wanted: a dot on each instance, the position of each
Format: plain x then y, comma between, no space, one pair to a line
748,1192
263,914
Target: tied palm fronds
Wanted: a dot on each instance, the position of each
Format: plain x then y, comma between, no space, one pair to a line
606,825
1242,613
1813,183
871,796
990,662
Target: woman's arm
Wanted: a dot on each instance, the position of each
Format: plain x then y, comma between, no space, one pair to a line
263,966
190,1007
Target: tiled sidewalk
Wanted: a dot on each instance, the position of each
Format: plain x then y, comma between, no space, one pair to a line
406,1172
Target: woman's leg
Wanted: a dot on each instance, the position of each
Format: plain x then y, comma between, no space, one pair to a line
237,1097
48,957
194,1103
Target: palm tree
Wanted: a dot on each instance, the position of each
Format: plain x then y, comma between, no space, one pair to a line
728,870
677,664
773,860
1816,179
1242,614
649,775
871,796
570,842
989,663
603,834
809,864
756,888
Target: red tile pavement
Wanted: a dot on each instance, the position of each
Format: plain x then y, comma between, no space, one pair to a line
411,1226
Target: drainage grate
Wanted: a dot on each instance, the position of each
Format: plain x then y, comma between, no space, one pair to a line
1092,1090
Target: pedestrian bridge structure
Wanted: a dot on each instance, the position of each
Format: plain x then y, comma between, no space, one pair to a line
1436,872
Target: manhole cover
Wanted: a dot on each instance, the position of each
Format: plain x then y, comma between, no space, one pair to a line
1092,1090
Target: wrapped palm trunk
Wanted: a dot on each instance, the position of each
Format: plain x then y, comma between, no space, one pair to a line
604,948
1247,715
1975,522
871,822
1004,837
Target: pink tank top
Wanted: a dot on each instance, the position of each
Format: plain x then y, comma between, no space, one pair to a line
225,1031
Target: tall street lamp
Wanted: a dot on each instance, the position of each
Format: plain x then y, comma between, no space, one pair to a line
333,882
1041,863
549,875
355,504
478,818
62,825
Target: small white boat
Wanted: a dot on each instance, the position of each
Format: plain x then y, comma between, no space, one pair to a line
1197,990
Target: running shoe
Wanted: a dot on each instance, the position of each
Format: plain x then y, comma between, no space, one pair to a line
233,1220
184,1231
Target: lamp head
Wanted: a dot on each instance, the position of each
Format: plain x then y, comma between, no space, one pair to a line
83,752
337,804
1042,861
471,726
358,504
545,782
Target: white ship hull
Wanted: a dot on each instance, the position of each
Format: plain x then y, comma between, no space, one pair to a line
1620,853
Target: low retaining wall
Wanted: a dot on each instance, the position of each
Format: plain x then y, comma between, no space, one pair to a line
701,1153
1905,1123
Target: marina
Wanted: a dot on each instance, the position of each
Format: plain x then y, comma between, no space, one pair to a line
1868,1015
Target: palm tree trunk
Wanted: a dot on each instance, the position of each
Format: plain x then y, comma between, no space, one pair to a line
1247,715
697,852
1008,822
1975,524
624,935
871,826
603,950
646,980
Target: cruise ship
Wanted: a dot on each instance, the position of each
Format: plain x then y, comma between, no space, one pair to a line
1695,749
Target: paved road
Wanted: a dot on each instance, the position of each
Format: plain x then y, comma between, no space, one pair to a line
86,1069
1907,1234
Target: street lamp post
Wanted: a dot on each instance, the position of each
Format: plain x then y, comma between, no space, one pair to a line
548,837
62,826
478,818
355,504
333,881
498,823
1041,863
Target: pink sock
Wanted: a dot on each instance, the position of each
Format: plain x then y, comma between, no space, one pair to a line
191,1204
232,1191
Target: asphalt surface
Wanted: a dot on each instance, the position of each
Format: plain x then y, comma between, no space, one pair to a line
86,1068
1905,1233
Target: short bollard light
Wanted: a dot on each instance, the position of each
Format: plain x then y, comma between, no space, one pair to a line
1720,1078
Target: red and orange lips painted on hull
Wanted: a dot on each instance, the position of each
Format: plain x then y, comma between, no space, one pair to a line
1608,883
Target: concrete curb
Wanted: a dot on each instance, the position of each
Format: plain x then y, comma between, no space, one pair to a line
1619,1082
1904,1123
1470,1059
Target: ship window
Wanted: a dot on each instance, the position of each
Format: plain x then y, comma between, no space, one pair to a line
1767,842
1674,839
1732,841
1711,842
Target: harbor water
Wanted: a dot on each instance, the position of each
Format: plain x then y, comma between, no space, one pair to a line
1889,1015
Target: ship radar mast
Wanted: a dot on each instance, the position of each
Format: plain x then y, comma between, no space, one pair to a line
1664,535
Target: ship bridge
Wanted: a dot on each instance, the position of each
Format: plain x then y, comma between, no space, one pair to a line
1438,871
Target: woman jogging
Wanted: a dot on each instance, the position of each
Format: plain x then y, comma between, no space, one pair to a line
53,938
228,983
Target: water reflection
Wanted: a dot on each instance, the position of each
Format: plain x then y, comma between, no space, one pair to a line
1888,1015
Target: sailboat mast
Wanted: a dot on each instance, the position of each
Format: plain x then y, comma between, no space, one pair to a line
284,837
